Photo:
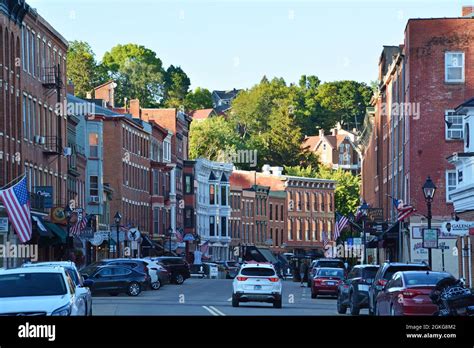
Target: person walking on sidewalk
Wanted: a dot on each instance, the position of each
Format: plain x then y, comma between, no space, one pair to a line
303,271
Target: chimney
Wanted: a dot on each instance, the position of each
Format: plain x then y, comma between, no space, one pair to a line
106,92
266,169
277,171
468,11
135,108
70,87
334,131
321,132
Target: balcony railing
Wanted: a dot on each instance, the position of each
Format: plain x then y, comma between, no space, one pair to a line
53,146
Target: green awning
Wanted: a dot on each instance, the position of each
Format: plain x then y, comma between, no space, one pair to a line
58,231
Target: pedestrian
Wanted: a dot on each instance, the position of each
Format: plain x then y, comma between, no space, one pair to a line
303,271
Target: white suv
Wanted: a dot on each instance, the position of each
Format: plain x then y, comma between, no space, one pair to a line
257,283
37,291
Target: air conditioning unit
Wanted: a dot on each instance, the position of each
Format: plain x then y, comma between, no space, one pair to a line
42,140
95,199
67,151
37,139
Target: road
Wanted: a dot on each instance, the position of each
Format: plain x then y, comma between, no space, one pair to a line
211,297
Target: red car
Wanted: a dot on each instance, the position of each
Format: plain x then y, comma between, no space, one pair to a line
326,281
408,293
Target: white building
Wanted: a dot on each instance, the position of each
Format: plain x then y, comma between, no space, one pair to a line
213,206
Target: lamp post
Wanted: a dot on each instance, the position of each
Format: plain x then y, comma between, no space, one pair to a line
170,234
364,209
69,243
117,219
429,190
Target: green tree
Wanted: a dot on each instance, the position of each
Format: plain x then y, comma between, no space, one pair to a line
176,87
200,98
138,72
344,101
82,68
211,138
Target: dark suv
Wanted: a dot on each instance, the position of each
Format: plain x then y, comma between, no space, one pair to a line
385,273
354,291
136,265
176,266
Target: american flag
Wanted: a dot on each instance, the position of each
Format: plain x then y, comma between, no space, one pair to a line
341,222
404,210
205,247
80,224
17,204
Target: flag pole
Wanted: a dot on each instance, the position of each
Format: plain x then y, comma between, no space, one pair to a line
11,182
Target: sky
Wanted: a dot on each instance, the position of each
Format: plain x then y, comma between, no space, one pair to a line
233,43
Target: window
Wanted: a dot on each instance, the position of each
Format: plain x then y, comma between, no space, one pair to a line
188,217
93,145
454,125
188,184
454,67
223,226
271,211
211,194
223,195
451,182
94,186
167,151
212,229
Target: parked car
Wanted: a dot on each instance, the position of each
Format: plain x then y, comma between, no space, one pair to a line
326,281
159,275
353,292
114,279
177,267
37,291
137,265
257,283
408,293
82,292
231,268
316,264
384,274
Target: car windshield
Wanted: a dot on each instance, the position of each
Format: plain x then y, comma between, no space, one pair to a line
392,270
324,272
257,272
424,278
32,284
369,272
334,264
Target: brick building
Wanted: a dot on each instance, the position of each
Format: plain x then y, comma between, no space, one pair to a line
308,208
277,215
414,128
32,127
235,220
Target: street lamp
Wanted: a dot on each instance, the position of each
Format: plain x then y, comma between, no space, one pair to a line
429,190
69,243
117,219
364,210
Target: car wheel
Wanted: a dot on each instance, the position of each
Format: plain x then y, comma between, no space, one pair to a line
277,303
156,285
355,310
179,279
235,301
134,289
341,309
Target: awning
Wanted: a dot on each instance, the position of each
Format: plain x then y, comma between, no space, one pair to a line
42,230
391,232
57,231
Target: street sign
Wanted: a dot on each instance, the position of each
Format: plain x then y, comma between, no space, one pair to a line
457,228
133,234
375,214
44,196
3,225
430,238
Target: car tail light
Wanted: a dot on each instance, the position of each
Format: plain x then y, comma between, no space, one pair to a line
411,293
381,282
273,279
317,281
242,279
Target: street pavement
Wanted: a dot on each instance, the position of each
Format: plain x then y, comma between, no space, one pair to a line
212,297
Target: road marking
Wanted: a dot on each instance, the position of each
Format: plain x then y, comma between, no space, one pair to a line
217,311
210,311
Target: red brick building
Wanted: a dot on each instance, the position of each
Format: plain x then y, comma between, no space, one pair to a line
235,220
414,129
